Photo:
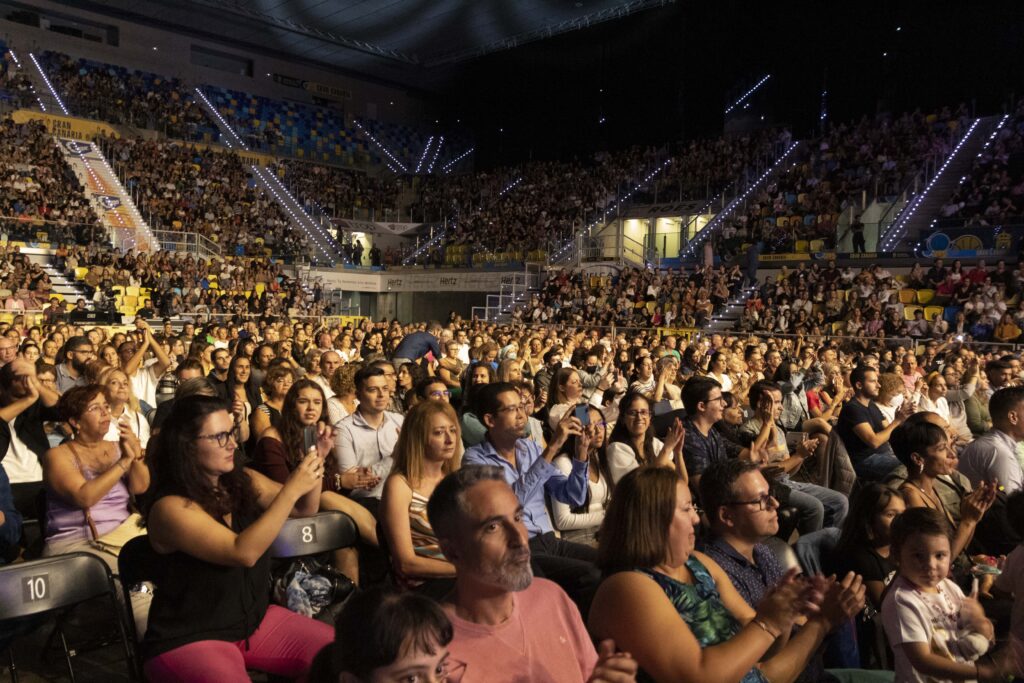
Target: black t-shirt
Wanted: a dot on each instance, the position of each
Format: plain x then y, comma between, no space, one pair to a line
866,562
853,414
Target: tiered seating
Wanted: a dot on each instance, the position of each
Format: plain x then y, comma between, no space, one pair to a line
15,87
290,128
993,192
207,191
407,144
40,197
338,191
125,96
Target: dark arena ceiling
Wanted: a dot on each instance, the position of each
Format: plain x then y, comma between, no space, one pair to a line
411,42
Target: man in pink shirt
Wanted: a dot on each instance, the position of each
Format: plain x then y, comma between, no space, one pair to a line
508,626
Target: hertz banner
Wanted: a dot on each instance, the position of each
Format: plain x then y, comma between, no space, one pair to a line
68,127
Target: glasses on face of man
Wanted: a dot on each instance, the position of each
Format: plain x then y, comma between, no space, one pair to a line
440,394
514,408
765,502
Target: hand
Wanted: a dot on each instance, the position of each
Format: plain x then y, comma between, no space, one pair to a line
974,505
307,476
806,448
842,599
324,440
568,426
358,478
675,434
130,444
782,605
972,616
583,445
612,666
905,410
238,410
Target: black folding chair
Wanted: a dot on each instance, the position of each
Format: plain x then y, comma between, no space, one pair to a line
58,583
320,533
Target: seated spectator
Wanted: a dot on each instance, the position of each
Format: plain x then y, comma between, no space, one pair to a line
211,618
343,401
922,600
187,370
632,442
124,407
281,449
25,404
865,544
366,439
90,483
479,522
925,449
864,431
580,523
528,470
276,383
993,457
428,448
817,506
703,446
10,522
385,636
1010,584
675,610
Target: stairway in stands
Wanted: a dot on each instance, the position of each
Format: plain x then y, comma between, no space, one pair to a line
324,249
919,212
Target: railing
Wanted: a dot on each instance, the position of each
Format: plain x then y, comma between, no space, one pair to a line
188,242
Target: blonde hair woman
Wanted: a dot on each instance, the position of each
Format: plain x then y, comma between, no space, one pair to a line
428,448
124,406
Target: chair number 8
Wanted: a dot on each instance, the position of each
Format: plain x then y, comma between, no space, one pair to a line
308,534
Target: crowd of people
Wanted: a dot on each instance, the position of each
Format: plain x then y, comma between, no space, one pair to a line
993,192
539,482
185,188
978,303
340,192
123,96
39,193
848,166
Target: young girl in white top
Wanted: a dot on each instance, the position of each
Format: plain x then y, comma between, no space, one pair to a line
936,632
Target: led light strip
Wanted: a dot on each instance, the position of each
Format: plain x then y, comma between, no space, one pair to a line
618,202
220,118
326,236
430,141
46,80
383,148
259,173
440,143
17,62
899,225
717,221
747,94
447,168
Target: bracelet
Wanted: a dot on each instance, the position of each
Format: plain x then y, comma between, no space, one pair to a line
765,628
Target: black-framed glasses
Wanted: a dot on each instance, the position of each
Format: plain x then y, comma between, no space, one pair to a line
222,438
765,502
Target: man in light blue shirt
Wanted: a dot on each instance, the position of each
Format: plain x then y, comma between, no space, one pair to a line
995,455
529,472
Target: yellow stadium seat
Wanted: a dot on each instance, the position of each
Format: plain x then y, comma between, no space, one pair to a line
925,296
131,291
81,272
802,246
909,311
907,296
817,245
932,312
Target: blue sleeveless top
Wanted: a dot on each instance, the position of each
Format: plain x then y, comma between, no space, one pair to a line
701,608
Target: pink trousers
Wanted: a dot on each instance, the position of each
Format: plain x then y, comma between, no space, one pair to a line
284,644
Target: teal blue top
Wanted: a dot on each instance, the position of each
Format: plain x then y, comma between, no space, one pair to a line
701,608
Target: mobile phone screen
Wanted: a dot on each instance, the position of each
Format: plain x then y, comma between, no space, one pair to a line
308,438
583,415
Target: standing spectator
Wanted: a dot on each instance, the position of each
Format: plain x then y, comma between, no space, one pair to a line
144,374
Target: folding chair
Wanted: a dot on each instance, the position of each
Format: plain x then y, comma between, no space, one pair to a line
58,583
320,533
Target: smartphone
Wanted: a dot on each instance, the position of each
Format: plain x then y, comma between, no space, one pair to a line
583,414
309,438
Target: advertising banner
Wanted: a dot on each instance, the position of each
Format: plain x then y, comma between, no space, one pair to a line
65,126
973,242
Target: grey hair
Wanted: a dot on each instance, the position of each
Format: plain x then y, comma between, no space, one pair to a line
448,502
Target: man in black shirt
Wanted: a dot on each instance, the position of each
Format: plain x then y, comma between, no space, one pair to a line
863,430
936,274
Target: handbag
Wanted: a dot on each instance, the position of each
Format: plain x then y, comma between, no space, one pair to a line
112,541
311,587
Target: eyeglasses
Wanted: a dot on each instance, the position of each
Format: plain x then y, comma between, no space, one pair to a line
222,438
439,394
99,408
765,502
512,409
638,414
694,509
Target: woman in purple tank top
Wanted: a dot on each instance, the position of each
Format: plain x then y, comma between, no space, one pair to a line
90,482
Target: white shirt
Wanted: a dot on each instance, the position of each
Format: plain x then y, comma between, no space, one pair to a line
145,381
136,422
21,463
993,455
622,460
